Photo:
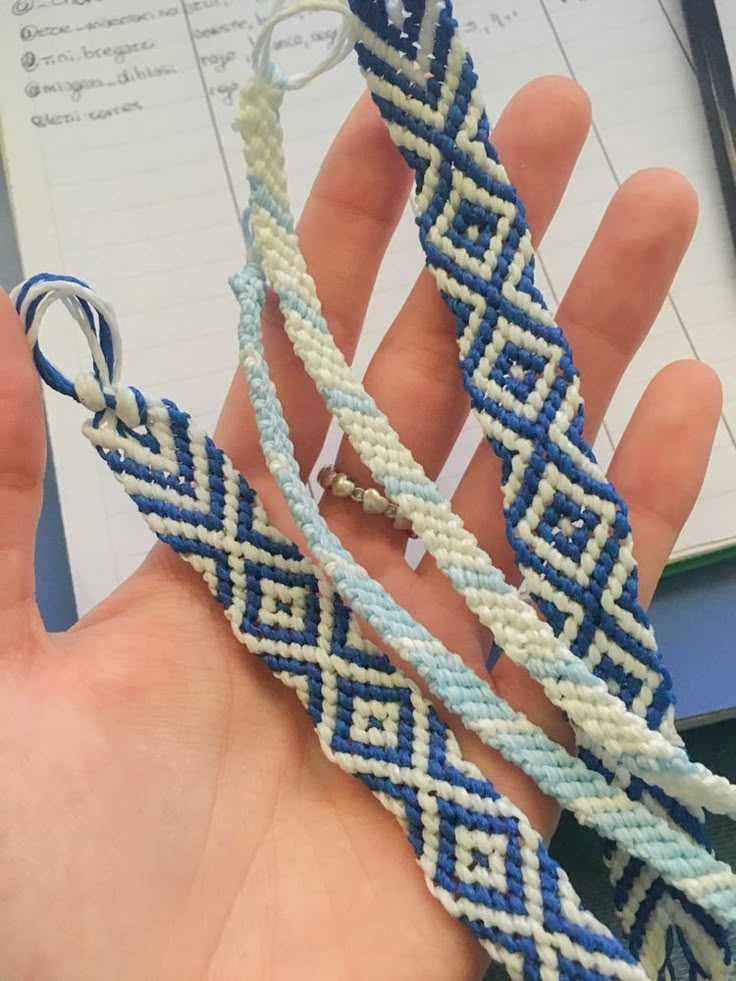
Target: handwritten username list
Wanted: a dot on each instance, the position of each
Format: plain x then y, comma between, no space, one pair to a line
85,64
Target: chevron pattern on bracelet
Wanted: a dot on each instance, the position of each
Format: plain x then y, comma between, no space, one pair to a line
480,856
567,525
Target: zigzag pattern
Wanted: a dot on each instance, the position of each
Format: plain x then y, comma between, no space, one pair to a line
567,525
480,856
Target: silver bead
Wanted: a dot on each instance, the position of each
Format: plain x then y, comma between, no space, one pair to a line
342,485
374,502
326,476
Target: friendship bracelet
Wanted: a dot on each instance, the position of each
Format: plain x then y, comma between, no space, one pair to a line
353,393
593,710
621,737
480,856
566,524
565,777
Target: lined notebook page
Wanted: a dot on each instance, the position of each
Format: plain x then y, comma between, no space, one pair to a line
124,170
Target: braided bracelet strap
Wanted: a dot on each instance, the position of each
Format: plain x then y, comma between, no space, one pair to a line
349,403
586,792
567,525
597,804
622,737
481,858
446,675
272,225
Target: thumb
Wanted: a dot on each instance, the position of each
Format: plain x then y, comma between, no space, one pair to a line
22,459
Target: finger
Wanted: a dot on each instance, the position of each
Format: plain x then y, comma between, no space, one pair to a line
606,313
414,375
623,281
22,453
350,216
661,461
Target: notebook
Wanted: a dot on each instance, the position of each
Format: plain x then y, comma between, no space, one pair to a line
123,169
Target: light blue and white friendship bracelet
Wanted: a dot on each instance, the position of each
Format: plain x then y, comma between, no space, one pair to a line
418,17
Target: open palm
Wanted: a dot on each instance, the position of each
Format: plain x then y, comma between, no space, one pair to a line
166,813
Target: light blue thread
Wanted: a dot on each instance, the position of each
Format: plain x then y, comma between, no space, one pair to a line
262,196
337,399
644,763
470,579
447,676
304,310
423,489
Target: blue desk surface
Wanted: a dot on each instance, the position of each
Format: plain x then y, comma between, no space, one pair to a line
694,612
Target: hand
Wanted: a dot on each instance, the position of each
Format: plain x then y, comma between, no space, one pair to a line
166,814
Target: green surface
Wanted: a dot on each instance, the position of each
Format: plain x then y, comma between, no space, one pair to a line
699,561
580,850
